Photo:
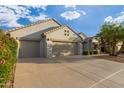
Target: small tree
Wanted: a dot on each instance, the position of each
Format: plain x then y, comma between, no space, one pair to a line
112,34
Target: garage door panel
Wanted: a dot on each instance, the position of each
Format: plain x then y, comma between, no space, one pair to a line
29,49
64,49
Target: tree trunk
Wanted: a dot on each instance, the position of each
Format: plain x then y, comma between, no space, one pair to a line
108,46
114,50
114,47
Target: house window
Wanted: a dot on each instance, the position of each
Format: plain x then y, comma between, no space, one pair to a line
66,32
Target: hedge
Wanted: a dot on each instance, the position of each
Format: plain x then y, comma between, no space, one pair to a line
90,52
8,52
85,52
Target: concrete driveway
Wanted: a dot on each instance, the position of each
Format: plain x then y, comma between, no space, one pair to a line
68,72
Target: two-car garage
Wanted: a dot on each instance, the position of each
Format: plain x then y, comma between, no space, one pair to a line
32,49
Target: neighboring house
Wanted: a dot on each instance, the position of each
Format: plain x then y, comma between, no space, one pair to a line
82,35
47,38
89,43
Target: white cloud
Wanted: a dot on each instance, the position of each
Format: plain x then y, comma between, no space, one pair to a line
9,15
122,12
108,19
36,18
44,7
71,15
82,12
70,6
117,20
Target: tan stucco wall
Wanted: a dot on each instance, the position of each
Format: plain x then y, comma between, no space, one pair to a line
33,29
59,35
63,45
56,42
82,36
48,48
94,40
119,45
18,48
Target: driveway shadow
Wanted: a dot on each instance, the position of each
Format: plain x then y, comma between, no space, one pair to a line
67,59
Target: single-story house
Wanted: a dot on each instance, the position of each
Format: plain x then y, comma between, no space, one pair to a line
47,38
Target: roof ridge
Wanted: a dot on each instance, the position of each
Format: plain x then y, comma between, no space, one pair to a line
55,29
31,24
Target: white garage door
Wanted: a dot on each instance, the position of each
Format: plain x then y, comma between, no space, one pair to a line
29,49
64,49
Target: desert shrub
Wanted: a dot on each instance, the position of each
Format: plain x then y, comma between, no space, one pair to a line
8,52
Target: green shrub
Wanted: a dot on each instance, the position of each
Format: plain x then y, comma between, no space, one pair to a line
8,52
85,52
91,52
95,52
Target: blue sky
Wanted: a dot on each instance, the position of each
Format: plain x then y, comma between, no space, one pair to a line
83,18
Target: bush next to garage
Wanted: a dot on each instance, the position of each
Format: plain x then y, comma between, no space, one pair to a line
95,52
8,53
91,52
85,53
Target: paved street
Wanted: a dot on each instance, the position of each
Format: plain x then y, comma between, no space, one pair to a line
68,72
